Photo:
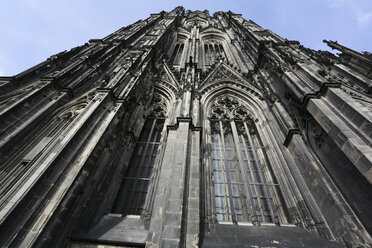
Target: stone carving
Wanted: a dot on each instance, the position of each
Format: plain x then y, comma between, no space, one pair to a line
158,107
227,108
70,127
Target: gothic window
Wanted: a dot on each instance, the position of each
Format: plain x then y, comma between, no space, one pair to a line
135,185
213,52
244,189
207,55
177,54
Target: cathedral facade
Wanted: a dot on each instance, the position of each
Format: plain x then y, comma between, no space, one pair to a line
188,130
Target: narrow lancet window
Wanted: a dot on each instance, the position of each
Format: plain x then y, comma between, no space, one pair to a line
175,51
207,55
212,54
177,54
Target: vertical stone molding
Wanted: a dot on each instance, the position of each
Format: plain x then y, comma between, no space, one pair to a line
187,129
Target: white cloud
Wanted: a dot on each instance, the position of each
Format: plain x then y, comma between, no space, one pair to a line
364,19
360,9
335,3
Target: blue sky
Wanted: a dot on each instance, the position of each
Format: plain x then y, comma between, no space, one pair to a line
33,30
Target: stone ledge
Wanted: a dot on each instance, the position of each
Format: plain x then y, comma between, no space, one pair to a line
225,235
113,229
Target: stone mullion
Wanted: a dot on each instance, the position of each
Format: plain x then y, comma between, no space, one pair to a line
259,166
273,190
206,55
233,217
141,164
254,215
224,176
155,176
242,172
236,167
212,53
122,195
210,206
146,170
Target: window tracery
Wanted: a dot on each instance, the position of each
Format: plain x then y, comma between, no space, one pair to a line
213,52
244,189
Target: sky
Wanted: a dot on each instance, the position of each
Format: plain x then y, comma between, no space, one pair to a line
33,30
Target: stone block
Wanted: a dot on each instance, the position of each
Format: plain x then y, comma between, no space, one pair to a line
176,192
193,216
173,219
193,227
174,205
326,203
172,232
193,203
170,243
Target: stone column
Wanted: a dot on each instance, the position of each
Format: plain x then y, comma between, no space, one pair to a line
186,104
193,197
169,205
196,112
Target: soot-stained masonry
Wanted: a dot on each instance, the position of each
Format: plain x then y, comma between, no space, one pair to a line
186,130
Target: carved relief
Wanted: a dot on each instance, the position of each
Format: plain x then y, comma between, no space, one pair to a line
227,108
149,67
157,108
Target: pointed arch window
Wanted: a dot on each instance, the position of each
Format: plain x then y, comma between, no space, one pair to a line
177,54
244,189
212,52
134,189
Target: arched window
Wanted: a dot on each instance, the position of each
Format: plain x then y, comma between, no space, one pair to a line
133,191
243,185
212,52
177,54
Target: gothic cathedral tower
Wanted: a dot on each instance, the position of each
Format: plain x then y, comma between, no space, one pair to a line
187,130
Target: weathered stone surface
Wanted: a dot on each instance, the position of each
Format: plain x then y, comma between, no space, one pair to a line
264,236
159,133
114,229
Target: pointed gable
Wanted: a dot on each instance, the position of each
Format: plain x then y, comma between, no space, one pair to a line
166,77
223,73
